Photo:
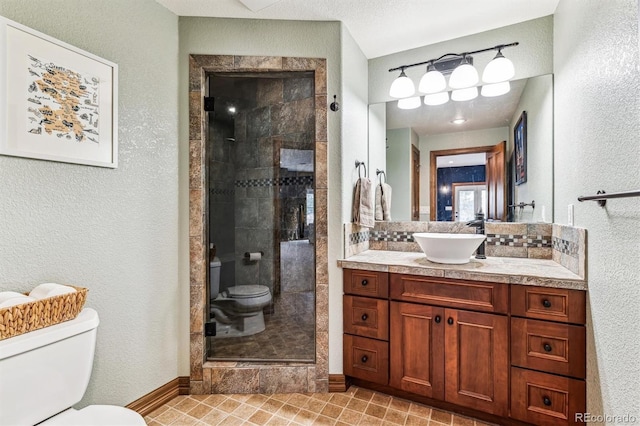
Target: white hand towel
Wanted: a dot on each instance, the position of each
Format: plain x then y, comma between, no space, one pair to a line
383,202
6,295
379,215
363,212
14,301
46,290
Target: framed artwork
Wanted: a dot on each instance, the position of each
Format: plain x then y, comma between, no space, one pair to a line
57,102
520,149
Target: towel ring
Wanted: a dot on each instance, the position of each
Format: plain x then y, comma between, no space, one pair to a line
361,163
381,172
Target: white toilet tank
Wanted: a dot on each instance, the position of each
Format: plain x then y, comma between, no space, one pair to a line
46,371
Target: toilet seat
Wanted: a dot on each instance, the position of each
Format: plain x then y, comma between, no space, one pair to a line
247,291
97,415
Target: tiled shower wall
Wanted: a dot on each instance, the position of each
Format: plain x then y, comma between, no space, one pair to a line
267,197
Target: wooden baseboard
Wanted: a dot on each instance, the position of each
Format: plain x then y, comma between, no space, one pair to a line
337,383
160,396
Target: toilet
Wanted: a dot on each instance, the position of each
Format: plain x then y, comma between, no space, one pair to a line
237,310
45,372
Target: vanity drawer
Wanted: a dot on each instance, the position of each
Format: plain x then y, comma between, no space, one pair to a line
546,400
553,304
366,317
550,347
366,283
472,295
366,359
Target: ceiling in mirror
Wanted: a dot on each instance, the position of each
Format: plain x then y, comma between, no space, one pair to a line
479,113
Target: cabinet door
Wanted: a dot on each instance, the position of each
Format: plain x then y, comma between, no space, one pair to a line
476,360
416,342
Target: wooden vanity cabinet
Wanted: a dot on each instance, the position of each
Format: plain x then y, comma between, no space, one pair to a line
454,355
508,353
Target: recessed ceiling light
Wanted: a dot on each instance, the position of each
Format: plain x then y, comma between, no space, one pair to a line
450,161
232,109
458,121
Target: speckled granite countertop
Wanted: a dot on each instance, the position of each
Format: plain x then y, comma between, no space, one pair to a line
508,270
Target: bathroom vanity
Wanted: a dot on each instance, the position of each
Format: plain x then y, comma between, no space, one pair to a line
502,339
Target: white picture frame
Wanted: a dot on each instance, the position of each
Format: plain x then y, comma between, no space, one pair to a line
57,102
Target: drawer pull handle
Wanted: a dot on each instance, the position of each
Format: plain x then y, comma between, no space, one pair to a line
438,319
546,303
365,282
547,347
450,321
546,401
364,317
364,358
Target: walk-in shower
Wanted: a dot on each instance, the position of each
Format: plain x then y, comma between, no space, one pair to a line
260,154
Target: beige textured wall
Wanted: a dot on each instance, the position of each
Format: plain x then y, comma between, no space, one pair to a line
113,231
597,123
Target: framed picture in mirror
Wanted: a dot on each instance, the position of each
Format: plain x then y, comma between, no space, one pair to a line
520,149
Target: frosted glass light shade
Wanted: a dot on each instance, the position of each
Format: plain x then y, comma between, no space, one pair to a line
432,81
409,103
436,98
498,70
402,87
463,76
495,89
464,94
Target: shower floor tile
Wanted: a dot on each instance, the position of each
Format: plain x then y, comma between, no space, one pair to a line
285,338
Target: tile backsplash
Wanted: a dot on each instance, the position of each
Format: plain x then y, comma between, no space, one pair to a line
563,244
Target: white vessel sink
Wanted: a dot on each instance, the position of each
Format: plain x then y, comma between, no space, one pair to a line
448,248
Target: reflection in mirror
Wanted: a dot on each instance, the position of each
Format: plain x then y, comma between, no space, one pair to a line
478,126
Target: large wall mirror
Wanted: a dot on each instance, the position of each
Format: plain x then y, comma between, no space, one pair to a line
493,154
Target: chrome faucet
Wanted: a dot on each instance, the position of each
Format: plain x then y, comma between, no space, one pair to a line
478,223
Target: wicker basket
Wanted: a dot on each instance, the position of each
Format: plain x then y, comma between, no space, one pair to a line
19,319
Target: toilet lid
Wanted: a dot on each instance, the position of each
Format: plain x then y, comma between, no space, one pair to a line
97,415
245,291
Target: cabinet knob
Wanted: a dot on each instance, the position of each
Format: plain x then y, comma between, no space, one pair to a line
437,319
546,303
365,282
547,347
450,321
364,317
546,401
364,358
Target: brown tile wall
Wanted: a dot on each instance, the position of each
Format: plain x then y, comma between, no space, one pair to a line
570,248
208,377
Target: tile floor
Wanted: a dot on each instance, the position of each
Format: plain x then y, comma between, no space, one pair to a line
357,406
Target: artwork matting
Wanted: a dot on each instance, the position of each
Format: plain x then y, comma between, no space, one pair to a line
57,102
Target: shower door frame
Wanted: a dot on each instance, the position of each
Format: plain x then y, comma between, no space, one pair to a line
208,377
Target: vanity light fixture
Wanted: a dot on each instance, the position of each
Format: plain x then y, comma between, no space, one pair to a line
409,103
463,79
464,94
465,75
495,89
402,87
498,70
436,99
432,81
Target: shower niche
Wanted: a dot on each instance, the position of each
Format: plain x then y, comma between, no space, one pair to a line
260,179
